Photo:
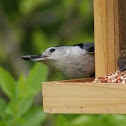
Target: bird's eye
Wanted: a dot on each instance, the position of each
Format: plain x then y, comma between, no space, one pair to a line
52,50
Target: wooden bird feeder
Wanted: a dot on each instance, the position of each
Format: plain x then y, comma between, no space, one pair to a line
76,96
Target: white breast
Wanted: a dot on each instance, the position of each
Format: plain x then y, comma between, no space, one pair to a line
76,63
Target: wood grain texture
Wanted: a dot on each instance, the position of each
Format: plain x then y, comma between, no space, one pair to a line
79,97
106,36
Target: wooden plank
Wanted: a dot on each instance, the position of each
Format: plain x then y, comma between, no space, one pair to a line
116,30
83,90
106,36
69,97
78,80
86,106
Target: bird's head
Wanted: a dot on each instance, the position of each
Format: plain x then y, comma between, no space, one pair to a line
52,53
60,53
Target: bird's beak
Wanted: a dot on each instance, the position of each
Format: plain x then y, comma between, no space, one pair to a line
34,58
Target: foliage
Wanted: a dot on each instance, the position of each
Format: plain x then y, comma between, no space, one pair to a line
91,120
20,109
34,25
29,27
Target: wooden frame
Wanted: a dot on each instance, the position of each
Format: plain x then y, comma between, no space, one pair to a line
76,96
79,97
106,36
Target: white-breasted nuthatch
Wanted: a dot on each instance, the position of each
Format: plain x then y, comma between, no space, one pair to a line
77,61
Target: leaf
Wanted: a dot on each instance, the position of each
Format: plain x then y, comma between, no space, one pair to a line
99,120
70,116
80,120
34,81
21,87
3,106
24,105
61,121
34,117
3,123
26,91
20,107
7,83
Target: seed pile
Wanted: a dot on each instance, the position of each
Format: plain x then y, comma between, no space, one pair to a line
117,77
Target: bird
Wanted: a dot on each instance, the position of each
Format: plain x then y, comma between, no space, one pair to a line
76,61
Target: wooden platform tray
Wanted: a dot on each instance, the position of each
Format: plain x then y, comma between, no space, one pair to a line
76,96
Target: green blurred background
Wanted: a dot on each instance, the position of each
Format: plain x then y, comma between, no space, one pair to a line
29,27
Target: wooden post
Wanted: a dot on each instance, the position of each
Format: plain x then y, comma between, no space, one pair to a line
106,22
